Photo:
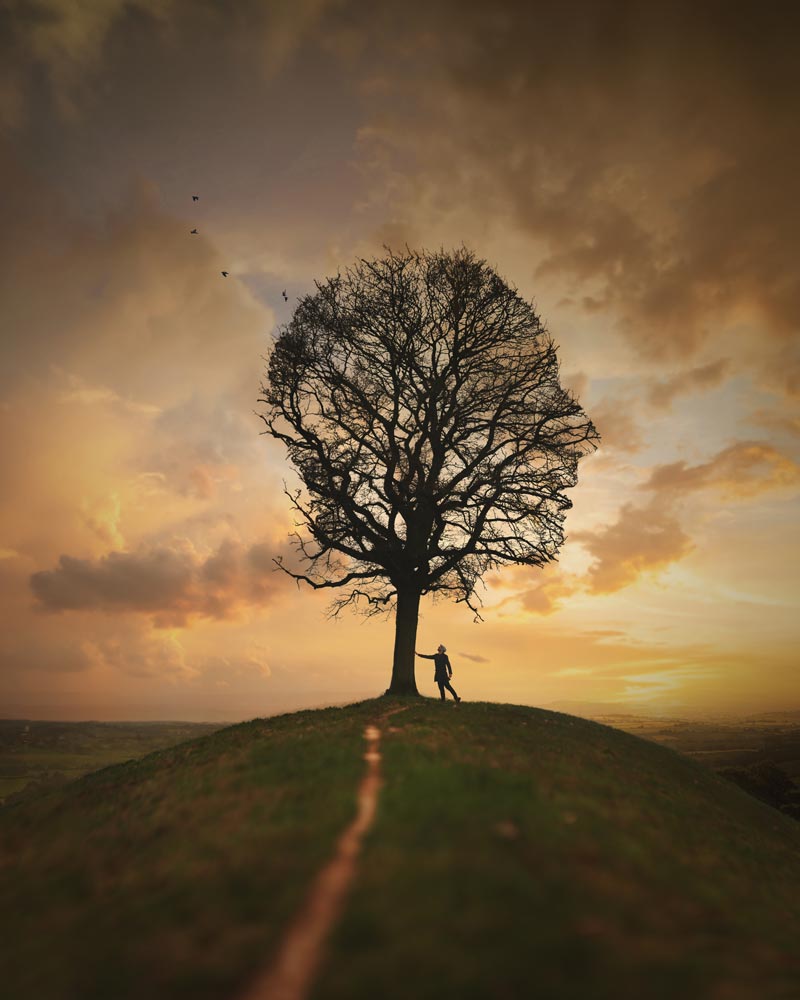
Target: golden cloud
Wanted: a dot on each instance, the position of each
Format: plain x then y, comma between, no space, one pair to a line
746,468
546,597
641,540
648,538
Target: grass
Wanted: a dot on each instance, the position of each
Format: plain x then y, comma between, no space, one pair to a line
516,853
525,853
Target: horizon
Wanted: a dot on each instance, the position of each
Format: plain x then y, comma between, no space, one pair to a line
636,183
558,707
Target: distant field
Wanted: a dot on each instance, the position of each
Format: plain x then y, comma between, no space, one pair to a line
723,744
39,753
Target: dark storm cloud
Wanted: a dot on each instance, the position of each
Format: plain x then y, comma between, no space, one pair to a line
172,585
649,149
237,102
64,44
652,148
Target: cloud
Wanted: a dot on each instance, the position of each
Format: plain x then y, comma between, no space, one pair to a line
614,420
645,539
641,540
540,591
473,657
103,520
126,283
252,660
780,421
67,38
25,651
199,446
149,655
547,596
646,153
612,415
662,393
744,469
78,390
66,43
173,585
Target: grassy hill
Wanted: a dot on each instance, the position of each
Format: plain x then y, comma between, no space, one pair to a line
516,853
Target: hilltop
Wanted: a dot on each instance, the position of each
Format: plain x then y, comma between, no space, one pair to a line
516,852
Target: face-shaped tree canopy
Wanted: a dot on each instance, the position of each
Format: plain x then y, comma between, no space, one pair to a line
419,399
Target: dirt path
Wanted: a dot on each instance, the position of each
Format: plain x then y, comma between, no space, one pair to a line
291,975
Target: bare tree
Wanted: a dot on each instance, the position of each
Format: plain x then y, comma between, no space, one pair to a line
419,400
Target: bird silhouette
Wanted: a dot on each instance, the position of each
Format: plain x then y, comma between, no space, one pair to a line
195,197
285,296
224,273
193,232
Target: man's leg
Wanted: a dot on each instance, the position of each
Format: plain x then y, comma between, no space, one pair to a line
449,687
441,688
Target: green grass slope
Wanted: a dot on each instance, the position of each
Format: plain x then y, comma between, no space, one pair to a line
516,853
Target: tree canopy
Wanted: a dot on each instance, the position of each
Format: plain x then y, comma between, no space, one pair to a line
418,396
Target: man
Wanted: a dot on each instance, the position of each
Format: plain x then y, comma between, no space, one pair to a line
443,670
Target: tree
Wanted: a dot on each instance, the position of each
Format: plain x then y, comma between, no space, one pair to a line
419,399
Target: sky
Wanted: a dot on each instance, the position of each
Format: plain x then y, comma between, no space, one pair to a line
630,168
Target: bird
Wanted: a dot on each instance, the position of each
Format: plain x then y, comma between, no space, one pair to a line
195,197
224,273
285,296
193,232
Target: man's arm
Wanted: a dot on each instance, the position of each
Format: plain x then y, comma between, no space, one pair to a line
449,667
425,656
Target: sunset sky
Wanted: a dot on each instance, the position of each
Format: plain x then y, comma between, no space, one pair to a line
631,168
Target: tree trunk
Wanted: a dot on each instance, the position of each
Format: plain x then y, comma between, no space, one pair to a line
405,637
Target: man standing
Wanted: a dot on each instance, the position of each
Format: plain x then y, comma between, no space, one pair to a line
443,671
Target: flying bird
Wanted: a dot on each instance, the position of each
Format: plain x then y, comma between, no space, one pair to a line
224,273
195,197
193,232
285,296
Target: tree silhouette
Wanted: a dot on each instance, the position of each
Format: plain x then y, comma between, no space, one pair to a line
419,400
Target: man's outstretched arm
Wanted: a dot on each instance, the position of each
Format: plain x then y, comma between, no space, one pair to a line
425,656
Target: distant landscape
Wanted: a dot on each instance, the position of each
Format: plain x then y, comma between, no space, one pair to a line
760,753
35,755
45,754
